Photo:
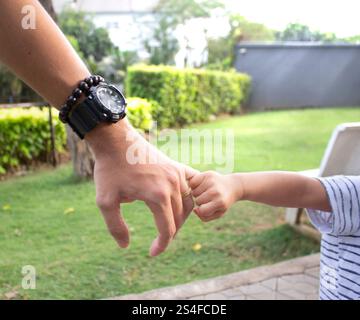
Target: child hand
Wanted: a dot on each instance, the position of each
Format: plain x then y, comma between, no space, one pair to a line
214,194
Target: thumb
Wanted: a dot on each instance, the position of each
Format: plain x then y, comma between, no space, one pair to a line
116,225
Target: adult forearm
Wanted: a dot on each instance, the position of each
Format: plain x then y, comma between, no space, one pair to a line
45,60
42,56
284,189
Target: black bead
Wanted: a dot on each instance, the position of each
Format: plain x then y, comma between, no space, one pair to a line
89,81
83,86
77,93
70,101
63,114
95,80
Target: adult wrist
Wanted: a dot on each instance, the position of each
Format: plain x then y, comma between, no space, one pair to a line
108,136
103,103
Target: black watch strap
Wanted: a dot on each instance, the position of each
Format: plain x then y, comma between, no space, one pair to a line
84,117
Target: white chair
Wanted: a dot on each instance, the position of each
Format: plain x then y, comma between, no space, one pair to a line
342,156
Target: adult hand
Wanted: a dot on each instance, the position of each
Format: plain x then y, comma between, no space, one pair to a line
128,168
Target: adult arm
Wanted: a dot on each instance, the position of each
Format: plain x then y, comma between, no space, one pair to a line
45,60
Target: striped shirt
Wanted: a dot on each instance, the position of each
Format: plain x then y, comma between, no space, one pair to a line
340,244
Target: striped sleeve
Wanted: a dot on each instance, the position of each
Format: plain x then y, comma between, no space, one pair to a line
344,197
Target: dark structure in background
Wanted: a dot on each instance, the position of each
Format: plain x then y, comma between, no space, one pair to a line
301,75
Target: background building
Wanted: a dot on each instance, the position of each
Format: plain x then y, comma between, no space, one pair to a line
125,20
301,74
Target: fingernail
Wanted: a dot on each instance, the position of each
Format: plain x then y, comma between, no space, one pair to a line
153,252
123,244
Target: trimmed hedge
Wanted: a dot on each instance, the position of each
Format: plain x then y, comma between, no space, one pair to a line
25,136
139,112
187,95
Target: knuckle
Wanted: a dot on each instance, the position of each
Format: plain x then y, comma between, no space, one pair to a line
211,174
172,179
213,193
172,232
104,203
169,233
221,204
217,193
160,195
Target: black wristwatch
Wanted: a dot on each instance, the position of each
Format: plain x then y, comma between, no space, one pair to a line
104,103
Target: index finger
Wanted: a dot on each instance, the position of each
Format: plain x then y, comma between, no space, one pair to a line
165,224
115,223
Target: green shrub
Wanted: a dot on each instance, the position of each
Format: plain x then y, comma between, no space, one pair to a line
187,95
25,136
139,113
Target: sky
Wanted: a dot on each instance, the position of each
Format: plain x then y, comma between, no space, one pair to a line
339,16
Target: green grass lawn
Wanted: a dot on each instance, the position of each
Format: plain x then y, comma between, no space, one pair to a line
75,257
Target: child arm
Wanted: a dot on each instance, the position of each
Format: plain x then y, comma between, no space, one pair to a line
215,193
284,189
333,203
344,197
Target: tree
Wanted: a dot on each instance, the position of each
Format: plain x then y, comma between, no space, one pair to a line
220,53
242,29
81,155
163,45
353,39
93,42
10,86
221,50
301,32
181,11
114,68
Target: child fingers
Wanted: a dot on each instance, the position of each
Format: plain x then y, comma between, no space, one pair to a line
196,192
204,211
196,180
218,214
203,198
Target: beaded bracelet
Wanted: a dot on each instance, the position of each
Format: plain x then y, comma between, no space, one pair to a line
82,88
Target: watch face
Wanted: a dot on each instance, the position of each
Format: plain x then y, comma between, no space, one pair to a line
111,99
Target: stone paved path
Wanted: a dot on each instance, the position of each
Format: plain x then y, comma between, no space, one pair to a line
296,279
